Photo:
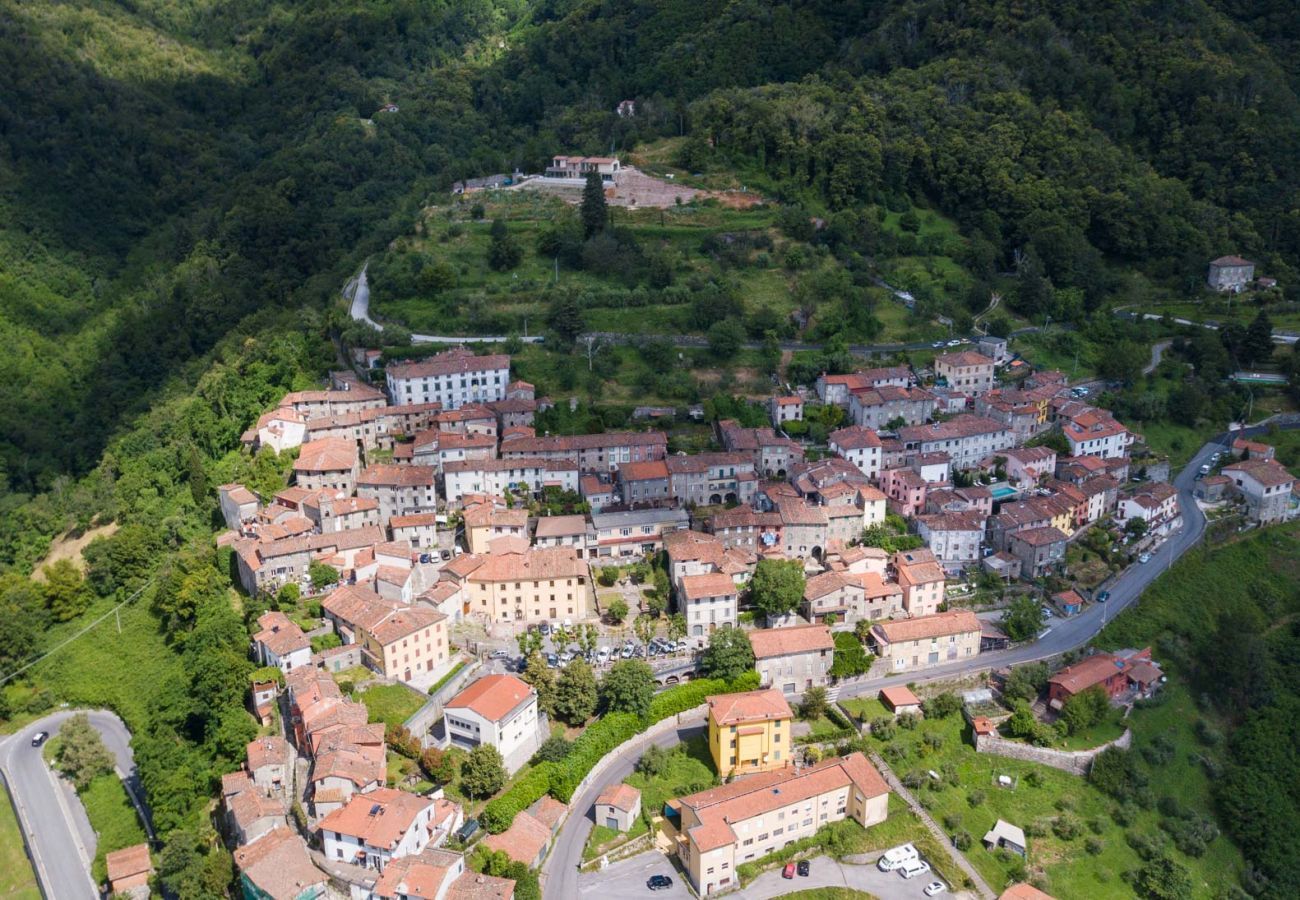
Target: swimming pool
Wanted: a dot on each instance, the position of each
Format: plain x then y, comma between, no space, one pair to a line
1003,492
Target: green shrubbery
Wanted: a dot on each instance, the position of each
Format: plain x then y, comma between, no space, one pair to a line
500,812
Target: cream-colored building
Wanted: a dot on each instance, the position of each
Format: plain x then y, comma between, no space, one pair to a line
967,371
724,827
921,579
794,658
516,584
944,637
406,643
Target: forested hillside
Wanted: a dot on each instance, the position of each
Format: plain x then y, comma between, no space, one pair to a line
185,185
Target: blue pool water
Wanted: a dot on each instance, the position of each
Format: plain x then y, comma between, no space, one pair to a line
1002,493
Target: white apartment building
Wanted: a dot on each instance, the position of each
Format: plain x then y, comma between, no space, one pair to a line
453,378
708,602
860,446
373,828
497,710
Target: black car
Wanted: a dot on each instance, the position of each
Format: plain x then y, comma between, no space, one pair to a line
804,867
39,738
659,882
1103,596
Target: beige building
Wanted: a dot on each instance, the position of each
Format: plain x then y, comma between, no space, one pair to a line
618,806
967,371
750,732
327,464
921,579
406,643
524,585
724,827
794,658
487,521
911,644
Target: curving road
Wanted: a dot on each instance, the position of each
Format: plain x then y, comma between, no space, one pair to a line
50,826
1063,634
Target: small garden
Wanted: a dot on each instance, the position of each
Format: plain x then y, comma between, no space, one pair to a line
391,704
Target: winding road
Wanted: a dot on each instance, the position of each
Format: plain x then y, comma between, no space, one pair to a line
561,865
53,830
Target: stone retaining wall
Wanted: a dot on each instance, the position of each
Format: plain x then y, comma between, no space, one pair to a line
1076,762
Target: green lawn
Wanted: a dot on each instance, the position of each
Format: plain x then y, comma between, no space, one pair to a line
864,708
391,704
113,817
689,770
828,893
1069,868
1106,730
17,880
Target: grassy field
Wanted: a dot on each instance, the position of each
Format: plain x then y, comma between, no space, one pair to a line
391,704
1084,864
836,893
112,816
865,708
17,880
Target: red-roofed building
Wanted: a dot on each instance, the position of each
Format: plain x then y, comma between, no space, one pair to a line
453,379
793,658
497,710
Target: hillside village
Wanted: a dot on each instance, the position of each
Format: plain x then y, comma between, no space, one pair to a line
431,528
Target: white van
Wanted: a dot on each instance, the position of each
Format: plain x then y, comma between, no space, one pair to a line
897,857
914,867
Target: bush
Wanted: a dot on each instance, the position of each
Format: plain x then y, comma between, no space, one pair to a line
883,728
952,821
1207,734
608,576
1094,846
500,812
942,706
1159,752
1034,778
1067,827
975,798
554,749
962,841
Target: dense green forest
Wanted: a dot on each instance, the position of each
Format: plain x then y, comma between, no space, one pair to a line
185,185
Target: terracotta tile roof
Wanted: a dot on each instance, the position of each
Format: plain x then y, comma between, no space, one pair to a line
515,463
953,521
361,764
874,587
827,583
474,886
280,634
1040,537
955,621
895,697
418,520
1085,673
562,443
533,565
326,455
279,865
548,811
493,696
523,840
250,806
963,360
127,863
272,750
769,642
390,475
917,567
560,526
1268,472
403,622
643,471
452,362
419,877
958,427
751,706
702,462
378,818
620,796
1231,261
239,494
711,584
855,437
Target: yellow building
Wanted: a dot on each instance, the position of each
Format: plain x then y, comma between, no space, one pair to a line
519,584
750,732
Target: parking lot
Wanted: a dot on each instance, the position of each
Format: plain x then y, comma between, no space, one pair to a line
627,879
827,872
609,650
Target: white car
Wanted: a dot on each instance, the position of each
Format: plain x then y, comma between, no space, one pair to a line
602,655
628,651
896,857
954,343
1144,558
914,867
565,658
934,888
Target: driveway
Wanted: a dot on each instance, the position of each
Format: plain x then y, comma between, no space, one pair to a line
47,817
827,873
627,879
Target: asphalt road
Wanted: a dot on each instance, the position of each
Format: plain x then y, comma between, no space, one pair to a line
561,866
53,840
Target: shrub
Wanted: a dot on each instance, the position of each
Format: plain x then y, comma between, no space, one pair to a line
1094,846
908,721
942,706
554,749
1207,734
1160,751
500,812
976,798
962,841
1067,827
883,728
952,821
1036,828
934,740
1034,778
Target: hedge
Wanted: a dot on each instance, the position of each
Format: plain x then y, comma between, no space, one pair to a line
561,779
501,810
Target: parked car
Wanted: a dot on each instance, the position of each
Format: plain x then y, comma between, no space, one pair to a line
552,661
566,657
934,888
629,651
39,738
544,628
1144,558
500,654
602,655
937,345
1047,612
788,871
955,342
659,882
680,646
896,857
913,868
1103,596
804,868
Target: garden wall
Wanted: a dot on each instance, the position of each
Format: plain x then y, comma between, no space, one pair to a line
1076,762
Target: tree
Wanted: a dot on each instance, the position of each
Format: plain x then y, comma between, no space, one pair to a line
1135,527
676,627
575,693
483,773
629,686
616,609
594,210
726,338
941,706
439,765
654,761
1164,878
851,659
1258,343
66,594
82,754
1085,709
1023,619
729,654
813,705
322,575
564,317
588,637
777,586
542,680
862,630
645,627
554,749
530,642
504,252
1026,682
